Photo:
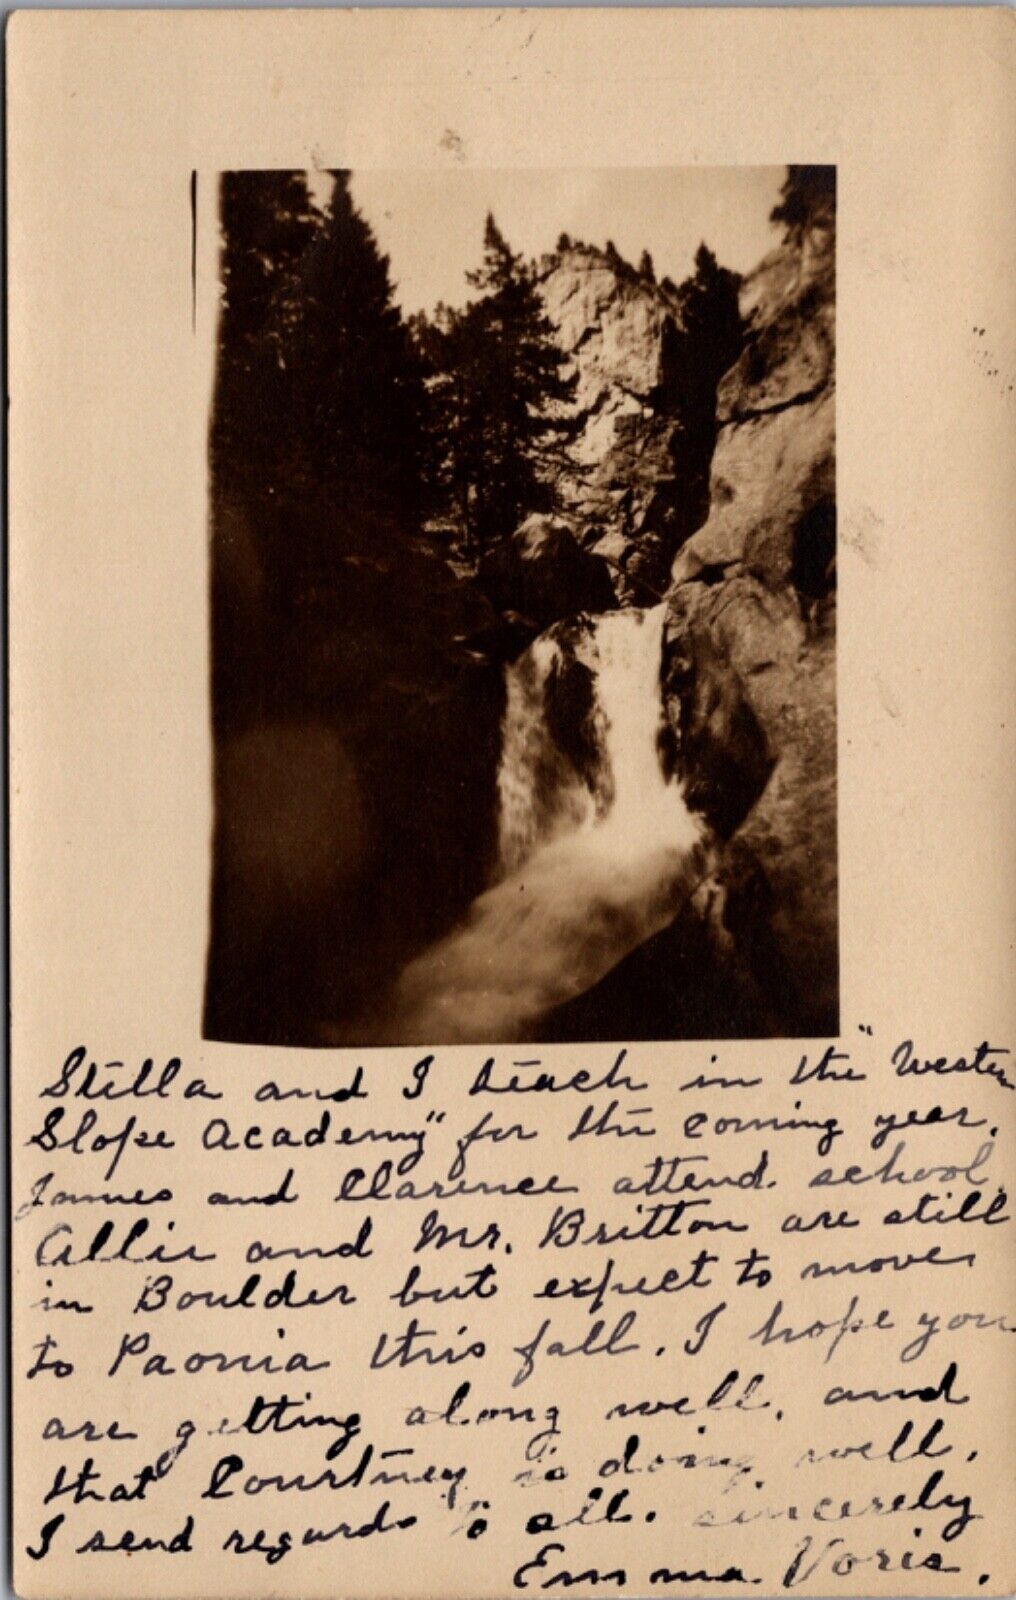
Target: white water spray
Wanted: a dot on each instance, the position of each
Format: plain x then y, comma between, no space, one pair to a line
592,862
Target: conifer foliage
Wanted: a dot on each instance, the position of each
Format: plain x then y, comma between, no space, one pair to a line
807,200
710,319
357,381
319,384
267,221
497,391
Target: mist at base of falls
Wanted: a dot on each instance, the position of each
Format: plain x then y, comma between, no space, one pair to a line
597,849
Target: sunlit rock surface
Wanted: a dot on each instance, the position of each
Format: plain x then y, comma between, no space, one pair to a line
644,426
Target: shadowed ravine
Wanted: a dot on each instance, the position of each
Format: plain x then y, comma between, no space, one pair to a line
596,848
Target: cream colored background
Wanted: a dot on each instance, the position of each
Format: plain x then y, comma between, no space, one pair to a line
109,385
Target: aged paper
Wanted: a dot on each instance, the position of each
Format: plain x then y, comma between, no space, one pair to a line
511,848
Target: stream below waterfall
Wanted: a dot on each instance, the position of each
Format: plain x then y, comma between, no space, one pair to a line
596,848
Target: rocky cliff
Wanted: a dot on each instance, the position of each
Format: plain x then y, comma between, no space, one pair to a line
720,494
643,407
754,589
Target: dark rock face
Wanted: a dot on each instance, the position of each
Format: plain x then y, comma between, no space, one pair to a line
570,703
542,574
752,602
720,753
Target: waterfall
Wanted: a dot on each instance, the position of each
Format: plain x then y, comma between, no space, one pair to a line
596,848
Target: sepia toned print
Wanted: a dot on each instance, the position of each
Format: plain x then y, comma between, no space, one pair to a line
463,1319
523,607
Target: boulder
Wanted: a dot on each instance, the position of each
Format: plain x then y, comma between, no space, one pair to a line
544,574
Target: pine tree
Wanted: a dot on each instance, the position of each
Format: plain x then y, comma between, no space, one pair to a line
316,437
700,342
319,389
646,268
498,390
356,379
268,221
807,200
453,454
710,317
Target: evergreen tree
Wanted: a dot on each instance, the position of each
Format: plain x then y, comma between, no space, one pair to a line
710,319
646,268
319,389
356,380
498,392
699,345
807,200
267,221
453,456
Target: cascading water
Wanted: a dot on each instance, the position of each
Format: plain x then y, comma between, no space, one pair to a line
597,849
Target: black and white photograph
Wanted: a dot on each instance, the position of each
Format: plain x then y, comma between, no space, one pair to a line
522,531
